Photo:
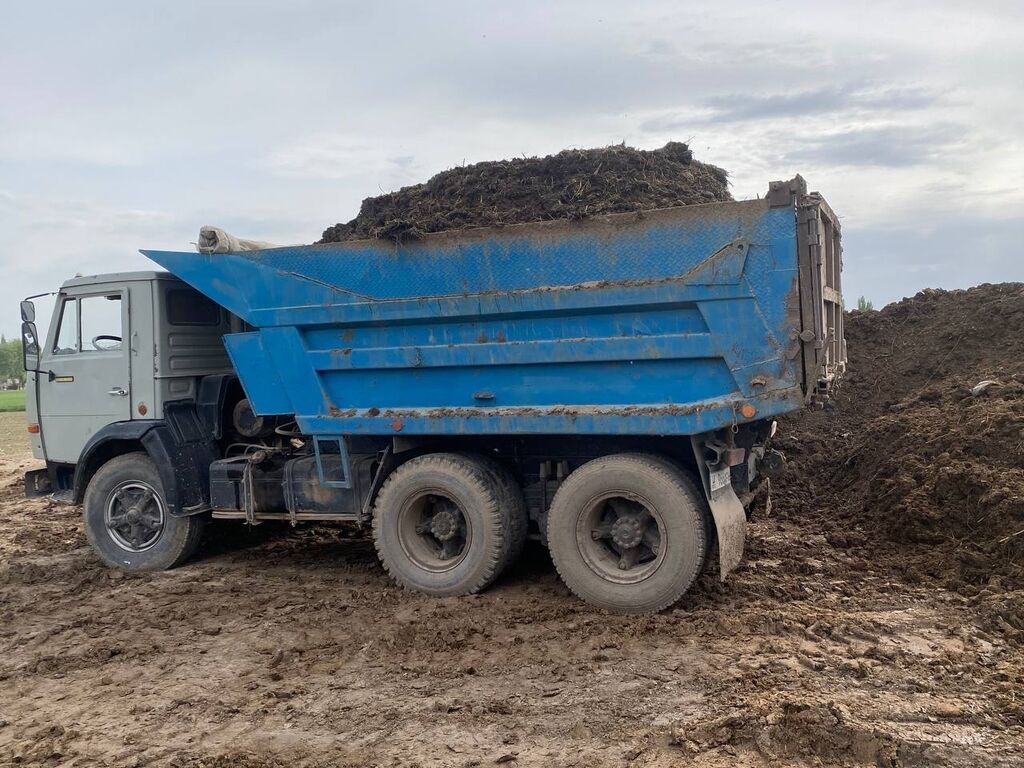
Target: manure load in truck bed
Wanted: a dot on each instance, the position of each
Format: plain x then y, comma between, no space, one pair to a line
573,184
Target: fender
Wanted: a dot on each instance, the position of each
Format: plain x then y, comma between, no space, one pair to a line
183,465
112,440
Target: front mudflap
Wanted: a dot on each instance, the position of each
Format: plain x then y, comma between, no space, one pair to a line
38,483
726,509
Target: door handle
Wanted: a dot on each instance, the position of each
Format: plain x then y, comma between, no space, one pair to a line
118,392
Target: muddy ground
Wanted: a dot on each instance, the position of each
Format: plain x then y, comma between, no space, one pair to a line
291,648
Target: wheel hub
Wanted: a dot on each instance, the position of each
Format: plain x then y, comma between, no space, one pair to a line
619,537
434,532
626,532
134,516
444,526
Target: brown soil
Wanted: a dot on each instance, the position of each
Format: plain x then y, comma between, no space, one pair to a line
574,184
909,453
291,648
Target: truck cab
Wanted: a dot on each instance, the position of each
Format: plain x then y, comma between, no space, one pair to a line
120,350
135,407
119,346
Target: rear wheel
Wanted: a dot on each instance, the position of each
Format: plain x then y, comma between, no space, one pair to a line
442,524
628,532
513,504
128,522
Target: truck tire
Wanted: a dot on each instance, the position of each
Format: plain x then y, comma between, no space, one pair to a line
628,532
514,502
127,520
442,524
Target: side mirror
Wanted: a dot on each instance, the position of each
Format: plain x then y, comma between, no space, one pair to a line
29,345
28,311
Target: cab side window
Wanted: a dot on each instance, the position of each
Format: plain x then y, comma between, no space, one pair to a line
101,323
89,324
66,341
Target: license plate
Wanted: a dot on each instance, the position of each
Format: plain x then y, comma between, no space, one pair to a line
720,479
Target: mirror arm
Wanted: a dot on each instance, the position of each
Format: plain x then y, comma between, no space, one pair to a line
50,375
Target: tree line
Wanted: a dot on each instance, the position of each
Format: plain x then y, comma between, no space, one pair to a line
10,361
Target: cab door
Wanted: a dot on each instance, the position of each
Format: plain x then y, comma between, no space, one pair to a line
84,380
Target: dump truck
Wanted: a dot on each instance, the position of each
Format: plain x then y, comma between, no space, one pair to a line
608,387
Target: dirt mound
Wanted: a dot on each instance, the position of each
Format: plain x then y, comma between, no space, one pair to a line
945,469
934,336
574,184
907,452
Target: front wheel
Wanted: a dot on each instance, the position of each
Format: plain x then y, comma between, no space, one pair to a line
628,532
128,522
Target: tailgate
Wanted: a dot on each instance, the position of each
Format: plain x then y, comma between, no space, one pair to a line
820,267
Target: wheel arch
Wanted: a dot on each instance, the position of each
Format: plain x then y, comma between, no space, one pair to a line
151,437
111,441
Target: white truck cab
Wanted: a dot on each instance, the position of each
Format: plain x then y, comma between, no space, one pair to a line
121,351
124,400
118,348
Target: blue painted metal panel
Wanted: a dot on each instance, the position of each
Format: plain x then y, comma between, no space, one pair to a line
661,323
253,364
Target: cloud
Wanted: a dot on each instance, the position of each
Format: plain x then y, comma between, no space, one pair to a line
851,99
894,146
46,240
845,98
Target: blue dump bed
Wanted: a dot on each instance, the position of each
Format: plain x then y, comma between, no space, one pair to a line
670,322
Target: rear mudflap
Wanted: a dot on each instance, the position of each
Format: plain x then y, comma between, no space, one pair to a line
731,526
726,510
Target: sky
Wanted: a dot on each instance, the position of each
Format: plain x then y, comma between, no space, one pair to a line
127,125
